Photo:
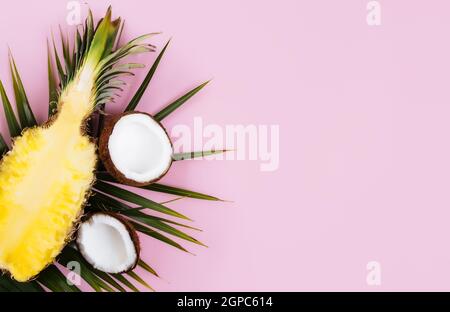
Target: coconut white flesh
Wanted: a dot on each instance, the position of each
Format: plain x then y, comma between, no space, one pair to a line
140,148
106,244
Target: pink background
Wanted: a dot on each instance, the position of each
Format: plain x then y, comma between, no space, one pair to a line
364,119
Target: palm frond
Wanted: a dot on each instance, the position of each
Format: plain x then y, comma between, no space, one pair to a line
166,111
61,74
161,188
111,281
147,268
138,95
66,54
52,84
10,285
192,155
139,279
3,147
87,272
102,202
152,233
158,224
134,198
13,125
125,281
146,224
137,215
26,115
53,279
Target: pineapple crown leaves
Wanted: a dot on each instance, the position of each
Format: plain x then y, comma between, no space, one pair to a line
96,46
105,196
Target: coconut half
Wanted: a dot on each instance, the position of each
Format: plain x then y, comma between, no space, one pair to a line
135,148
108,242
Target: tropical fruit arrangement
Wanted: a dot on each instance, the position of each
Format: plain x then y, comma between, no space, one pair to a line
62,194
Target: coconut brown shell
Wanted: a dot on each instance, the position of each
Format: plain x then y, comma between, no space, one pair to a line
133,234
110,122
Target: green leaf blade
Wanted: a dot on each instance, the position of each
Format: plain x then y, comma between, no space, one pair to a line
156,187
86,271
61,73
138,95
135,199
101,202
10,285
152,233
161,188
137,214
198,154
159,225
166,111
125,281
146,267
66,53
13,125
26,115
107,278
55,280
52,84
139,280
3,146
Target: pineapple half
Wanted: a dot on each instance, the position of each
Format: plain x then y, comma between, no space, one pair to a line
46,178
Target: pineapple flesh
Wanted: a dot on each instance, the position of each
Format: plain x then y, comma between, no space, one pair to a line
44,181
46,177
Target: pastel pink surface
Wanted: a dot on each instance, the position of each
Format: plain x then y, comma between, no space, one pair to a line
364,136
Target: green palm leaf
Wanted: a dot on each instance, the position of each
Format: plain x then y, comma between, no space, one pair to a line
52,84
86,270
125,281
61,73
13,125
166,111
66,53
3,146
54,280
192,155
131,214
156,187
159,225
146,267
135,199
147,231
107,278
139,279
26,116
8,284
137,97
102,202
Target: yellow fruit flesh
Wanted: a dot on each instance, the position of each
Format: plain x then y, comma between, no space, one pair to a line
44,182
